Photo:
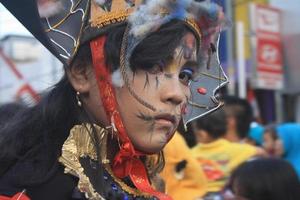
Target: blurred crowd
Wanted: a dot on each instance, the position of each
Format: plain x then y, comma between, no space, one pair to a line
225,155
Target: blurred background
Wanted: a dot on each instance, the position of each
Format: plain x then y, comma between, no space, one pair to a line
260,53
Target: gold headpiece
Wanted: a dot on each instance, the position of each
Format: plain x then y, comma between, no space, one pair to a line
117,12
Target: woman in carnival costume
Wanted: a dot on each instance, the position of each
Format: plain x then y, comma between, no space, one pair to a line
133,70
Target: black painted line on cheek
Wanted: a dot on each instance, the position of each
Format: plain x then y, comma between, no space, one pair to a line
147,83
151,130
144,117
148,120
169,76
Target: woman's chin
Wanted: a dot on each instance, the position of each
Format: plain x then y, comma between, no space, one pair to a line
151,149
155,145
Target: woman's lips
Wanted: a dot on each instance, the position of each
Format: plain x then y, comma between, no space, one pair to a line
166,120
163,122
167,124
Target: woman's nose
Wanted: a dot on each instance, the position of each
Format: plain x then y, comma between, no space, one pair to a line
174,92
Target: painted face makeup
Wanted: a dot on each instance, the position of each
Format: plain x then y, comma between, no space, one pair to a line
166,87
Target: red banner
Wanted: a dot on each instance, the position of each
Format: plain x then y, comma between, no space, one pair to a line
265,23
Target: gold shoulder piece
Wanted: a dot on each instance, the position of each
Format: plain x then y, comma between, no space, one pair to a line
79,144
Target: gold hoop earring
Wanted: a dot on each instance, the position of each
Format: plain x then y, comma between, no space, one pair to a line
79,103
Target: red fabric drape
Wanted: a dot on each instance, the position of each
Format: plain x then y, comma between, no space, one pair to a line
126,162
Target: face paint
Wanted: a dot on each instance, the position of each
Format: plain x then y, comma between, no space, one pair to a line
146,80
166,87
185,51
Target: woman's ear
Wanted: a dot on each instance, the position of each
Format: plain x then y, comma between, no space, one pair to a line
80,78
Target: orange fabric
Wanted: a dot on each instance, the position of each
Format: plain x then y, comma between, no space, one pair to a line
193,183
126,162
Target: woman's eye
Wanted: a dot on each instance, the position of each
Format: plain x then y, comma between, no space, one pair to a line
186,75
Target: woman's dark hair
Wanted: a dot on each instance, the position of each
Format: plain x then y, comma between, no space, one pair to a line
266,179
32,142
214,124
9,110
157,47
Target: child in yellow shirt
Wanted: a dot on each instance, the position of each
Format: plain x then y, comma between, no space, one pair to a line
217,156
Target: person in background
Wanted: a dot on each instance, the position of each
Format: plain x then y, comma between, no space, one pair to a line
255,136
216,155
183,177
239,115
270,137
287,144
263,179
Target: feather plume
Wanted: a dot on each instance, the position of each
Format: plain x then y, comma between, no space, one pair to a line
153,14
117,79
100,2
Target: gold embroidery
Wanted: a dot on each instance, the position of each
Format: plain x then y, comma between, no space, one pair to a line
120,12
205,106
117,17
213,76
79,144
110,18
133,191
199,106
